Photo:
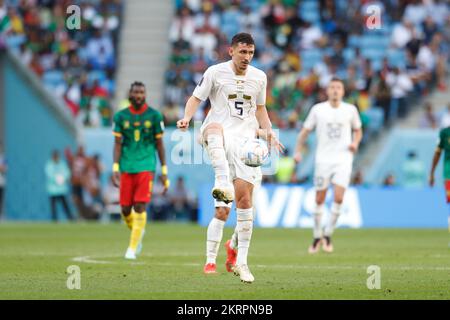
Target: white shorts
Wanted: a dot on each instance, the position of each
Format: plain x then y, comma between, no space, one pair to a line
238,169
338,174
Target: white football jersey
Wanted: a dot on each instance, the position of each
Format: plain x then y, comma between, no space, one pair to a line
334,128
233,98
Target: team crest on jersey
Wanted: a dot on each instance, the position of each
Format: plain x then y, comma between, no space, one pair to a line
126,124
334,130
147,124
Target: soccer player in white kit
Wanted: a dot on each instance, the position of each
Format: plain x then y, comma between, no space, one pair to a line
338,133
237,92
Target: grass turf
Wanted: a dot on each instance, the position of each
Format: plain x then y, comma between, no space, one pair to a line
415,264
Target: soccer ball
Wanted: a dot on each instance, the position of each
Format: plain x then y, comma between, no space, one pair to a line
254,152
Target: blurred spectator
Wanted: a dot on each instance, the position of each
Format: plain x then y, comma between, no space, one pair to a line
179,200
58,177
2,178
445,120
100,51
438,10
160,203
402,34
429,28
429,118
413,169
183,26
78,164
89,116
111,200
415,12
400,84
358,178
389,180
92,186
382,93
311,37
286,169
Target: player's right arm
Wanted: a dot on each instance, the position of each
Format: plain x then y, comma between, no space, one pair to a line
191,108
308,126
117,132
436,157
301,139
201,93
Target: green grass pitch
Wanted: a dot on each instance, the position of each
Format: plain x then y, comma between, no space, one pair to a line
415,264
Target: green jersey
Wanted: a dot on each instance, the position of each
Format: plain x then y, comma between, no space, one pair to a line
444,145
139,131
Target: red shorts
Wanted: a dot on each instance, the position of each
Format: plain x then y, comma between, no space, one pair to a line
447,190
135,187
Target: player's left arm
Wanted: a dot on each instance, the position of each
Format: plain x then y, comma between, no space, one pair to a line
159,131
265,128
357,137
357,131
117,151
436,157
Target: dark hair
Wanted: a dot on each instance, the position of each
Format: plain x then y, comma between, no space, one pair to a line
242,37
336,79
137,83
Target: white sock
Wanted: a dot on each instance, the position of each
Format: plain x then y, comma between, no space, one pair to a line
317,231
244,228
216,151
234,239
213,239
335,212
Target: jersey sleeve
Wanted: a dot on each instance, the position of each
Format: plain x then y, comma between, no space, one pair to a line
311,119
159,126
261,98
205,85
356,119
117,131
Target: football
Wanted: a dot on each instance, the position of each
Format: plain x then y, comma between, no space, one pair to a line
254,152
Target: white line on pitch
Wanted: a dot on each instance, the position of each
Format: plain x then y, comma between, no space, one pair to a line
88,259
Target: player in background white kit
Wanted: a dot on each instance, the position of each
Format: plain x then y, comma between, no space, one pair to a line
237,92
338,134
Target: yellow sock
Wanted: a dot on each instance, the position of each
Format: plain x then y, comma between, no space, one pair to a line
128,220
139,221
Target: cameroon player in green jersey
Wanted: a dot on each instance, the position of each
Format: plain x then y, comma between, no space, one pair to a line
138,132
443,145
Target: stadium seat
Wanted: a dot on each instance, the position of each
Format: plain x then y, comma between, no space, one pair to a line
396,58
349,54
373,42
373,54
353,40
15,41
376,119
53,77
310,58
98,75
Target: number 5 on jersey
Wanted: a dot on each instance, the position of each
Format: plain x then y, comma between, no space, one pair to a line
237,107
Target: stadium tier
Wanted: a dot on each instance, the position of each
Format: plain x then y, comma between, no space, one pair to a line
390,70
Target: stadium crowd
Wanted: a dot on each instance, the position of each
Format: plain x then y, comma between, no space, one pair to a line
76,65
77,178
302,44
